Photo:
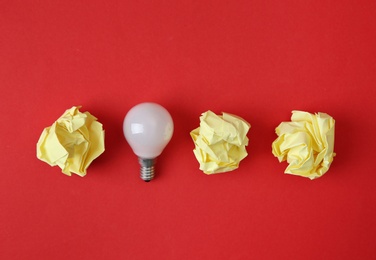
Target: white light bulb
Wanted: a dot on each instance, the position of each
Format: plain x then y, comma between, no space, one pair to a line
148,128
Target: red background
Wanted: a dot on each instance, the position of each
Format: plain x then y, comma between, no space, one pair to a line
256,59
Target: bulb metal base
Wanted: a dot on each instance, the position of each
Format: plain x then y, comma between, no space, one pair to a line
147,168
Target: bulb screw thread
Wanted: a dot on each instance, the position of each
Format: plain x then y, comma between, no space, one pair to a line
147,169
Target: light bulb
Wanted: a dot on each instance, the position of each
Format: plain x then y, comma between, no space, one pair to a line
148,128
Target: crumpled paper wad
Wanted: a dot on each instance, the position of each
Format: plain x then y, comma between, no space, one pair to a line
220,142
72,142
307,143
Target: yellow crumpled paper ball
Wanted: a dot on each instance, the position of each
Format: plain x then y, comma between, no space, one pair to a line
220,142
307,143
72,142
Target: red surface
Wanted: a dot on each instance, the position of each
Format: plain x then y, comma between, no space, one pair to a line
256,59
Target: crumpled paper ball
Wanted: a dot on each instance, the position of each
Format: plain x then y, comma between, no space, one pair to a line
220,142
72,142
307,143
